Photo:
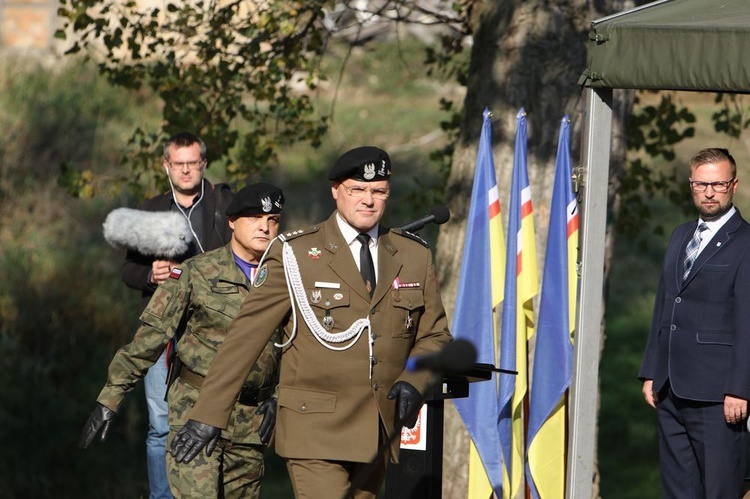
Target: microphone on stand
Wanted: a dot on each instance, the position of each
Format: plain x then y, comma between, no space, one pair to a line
439,215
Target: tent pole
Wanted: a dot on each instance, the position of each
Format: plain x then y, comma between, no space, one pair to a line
595,153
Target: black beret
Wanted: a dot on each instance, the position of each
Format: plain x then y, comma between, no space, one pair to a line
256,199
366,164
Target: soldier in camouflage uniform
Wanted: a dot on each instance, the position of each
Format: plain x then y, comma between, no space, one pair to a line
194,307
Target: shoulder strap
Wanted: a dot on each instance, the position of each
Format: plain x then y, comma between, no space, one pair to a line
220,220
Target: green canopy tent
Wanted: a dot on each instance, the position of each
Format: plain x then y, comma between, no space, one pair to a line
695,45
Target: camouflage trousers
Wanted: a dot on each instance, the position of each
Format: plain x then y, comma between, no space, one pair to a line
232,471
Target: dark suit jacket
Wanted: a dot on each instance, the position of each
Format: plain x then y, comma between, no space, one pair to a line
330,407
700,329
216,233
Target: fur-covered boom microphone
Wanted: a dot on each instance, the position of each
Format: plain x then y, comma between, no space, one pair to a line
163,234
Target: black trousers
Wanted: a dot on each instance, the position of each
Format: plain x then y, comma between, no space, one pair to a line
701,455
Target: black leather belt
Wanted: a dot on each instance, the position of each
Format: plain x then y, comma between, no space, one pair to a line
248,395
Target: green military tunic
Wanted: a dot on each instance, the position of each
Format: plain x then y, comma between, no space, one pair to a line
197,304
332,398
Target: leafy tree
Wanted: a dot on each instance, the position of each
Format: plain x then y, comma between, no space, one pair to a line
237,73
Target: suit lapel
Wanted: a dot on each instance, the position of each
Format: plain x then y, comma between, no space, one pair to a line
717,243
388,266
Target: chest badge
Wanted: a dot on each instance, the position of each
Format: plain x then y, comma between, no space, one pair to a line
328,322
314,253
316,296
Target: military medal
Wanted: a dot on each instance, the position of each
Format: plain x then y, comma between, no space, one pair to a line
409,323
328,322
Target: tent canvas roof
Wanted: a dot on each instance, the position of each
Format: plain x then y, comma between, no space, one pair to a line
701,45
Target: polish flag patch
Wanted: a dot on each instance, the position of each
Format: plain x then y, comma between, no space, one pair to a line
176,273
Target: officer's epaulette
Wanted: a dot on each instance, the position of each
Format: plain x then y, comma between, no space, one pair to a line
293,234
410,235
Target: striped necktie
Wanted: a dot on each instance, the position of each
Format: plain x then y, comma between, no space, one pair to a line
692,250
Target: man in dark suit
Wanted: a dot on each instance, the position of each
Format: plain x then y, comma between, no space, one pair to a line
696,367
355,299
203,206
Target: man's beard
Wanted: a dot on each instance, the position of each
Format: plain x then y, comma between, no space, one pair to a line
715,213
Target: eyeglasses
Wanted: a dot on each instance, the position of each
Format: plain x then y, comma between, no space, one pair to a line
192,165
359,192
721,187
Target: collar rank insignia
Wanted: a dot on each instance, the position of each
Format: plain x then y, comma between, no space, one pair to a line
314,253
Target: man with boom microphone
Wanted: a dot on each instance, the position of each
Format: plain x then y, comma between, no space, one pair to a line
202,205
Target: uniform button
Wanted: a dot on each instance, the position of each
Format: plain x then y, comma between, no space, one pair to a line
374,360
375,387
672,327
677,300
303,408
372,311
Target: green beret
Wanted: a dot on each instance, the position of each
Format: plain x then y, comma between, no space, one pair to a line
256,199
366,164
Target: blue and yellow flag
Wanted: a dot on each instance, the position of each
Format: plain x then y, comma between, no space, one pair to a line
521,285
480,291
553,357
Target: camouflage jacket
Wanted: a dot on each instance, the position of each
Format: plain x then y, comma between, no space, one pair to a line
196,304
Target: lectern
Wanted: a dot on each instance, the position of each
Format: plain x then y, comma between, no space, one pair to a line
419,474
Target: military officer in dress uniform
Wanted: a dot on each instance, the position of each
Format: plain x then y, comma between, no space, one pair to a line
355,299
195,305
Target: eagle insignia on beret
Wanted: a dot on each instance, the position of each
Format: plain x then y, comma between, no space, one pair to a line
369,173
266,202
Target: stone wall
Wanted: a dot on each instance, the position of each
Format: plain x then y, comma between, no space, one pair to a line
28,24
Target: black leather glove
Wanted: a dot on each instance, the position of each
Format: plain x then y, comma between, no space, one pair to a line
192,438
268,409
408,404
100,419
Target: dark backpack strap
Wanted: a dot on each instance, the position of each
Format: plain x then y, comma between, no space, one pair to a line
220,219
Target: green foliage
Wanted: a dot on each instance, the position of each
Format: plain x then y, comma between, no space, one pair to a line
227,71
731,118
653,132
63,309
627,449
